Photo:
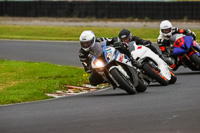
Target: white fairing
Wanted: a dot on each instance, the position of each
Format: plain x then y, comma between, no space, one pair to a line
141,52
120,57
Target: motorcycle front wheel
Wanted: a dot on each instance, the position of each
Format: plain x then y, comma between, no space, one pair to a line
141,86
124,82
151,72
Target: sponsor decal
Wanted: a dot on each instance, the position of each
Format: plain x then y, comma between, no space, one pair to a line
121,58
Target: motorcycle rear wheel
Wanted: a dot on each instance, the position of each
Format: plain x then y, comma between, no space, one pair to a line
124,82
195,59
173,78
155,74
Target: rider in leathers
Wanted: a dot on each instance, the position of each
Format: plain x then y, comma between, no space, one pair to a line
166,32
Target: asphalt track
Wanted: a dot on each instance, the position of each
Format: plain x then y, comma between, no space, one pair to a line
161,109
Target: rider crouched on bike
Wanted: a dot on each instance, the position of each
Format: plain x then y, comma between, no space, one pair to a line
125,36
90,45
166,32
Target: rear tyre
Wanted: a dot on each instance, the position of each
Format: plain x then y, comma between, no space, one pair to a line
195,59
155,74
173,78
124,82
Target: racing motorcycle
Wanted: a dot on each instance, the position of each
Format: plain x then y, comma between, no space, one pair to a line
117,69
186,52
154,69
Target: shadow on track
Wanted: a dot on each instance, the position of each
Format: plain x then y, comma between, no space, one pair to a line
110,94
115,93
188,73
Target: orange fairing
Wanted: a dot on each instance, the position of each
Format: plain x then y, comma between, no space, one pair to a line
172,73
181,30
162,48
159,74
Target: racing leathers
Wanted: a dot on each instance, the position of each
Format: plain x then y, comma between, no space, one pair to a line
85,59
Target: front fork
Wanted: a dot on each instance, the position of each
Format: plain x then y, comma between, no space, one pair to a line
121,70
187,55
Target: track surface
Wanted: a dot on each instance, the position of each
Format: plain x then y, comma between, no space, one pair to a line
161,109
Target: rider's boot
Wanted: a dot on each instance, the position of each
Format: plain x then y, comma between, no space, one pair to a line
165,59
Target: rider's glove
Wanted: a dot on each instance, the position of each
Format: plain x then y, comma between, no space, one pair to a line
190,33
120,45
100,39
135,63
123,48
146,42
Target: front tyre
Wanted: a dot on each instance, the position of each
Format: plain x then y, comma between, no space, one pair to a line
155,74
124,82
173,78
141,86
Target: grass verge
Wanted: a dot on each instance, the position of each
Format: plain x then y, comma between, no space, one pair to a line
29,81
72,33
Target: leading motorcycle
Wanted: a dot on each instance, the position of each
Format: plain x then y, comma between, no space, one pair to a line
117,69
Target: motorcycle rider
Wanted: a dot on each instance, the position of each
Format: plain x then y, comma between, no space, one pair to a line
90,45
126,36
166,32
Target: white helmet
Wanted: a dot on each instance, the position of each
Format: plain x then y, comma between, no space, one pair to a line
166,28
87,39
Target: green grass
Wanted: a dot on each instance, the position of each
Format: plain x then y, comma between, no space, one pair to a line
29,81
66,33
71,33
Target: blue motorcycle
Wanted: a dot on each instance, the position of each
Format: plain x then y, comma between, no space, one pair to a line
186,52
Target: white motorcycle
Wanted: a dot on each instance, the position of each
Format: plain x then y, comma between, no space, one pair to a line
154,69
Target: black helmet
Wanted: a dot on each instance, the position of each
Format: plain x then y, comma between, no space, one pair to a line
124,33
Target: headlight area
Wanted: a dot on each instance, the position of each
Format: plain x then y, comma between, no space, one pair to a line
98,63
